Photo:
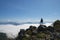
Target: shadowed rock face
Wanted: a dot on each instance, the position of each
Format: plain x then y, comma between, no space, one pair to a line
21,34
3,36
56,25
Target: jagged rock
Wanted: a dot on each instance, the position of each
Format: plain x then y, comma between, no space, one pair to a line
3,36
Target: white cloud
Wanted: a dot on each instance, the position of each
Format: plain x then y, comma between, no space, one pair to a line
12,30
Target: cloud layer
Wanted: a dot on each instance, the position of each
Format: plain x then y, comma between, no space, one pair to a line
11,29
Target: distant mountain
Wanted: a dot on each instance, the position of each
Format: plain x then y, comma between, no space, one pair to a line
13,23
16,23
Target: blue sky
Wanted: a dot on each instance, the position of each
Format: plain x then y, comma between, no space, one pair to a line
27,10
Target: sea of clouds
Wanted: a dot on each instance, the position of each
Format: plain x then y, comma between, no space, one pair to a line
12,30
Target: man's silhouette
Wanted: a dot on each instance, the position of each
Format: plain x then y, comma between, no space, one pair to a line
41,22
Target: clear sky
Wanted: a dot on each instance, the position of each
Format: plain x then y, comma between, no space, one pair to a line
29,9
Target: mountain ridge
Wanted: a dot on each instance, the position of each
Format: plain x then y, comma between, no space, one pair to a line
16,23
